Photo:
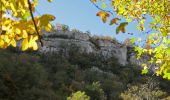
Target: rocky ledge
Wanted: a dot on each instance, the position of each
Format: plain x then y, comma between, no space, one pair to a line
104,46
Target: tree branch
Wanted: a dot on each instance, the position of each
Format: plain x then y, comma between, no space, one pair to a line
1,18
101,8
31,12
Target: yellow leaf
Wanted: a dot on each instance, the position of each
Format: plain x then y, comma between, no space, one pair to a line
46,18
104,5
17,37
158,61
5,38
144,65
13,43
17,31
1,43
12,7
48,27
34,46
33,43
25,44
24,34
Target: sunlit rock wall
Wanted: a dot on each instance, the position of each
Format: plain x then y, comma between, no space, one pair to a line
104,47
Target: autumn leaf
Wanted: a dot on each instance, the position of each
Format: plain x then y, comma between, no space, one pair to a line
13,43
24,34
25,44
141,24
103,15
25,16
104,5
17,31
46,18
144,71
114,21
33,43
94,1
19,27
121,27
48,28
50,0
30,42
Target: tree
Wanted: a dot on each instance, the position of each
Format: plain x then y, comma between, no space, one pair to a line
19,24
78,96
157,43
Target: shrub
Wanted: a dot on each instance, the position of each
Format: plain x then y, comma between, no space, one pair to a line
76,30
54,76
88,33
95,91
78,96
65,28
22,76
148,91
95,42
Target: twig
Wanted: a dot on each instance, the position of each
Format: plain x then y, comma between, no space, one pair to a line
101,8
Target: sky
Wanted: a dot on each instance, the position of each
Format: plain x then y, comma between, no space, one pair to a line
81,14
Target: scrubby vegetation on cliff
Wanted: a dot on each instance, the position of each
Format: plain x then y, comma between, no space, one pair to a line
55,76
61,76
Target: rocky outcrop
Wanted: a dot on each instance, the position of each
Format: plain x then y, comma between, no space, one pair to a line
104,47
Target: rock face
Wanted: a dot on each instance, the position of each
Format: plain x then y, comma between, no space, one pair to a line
105,47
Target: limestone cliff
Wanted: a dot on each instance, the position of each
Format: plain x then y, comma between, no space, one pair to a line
99,45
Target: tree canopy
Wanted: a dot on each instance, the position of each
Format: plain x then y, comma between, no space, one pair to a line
19,24
157,43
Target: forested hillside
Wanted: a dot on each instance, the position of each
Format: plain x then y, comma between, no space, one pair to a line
54,76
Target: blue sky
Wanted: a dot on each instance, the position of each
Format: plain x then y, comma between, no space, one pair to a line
81,14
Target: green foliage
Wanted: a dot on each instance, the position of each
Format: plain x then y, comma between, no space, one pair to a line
76,30
95,42
22,25
23,77
156,43
65,28
150,91
55,76
78,96
95,91
121,27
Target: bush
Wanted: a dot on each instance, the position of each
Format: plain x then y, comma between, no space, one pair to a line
54,76
95,91
76,30
78,96
148,91
65,28
21,76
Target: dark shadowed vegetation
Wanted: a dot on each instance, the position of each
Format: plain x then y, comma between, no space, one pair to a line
56,76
